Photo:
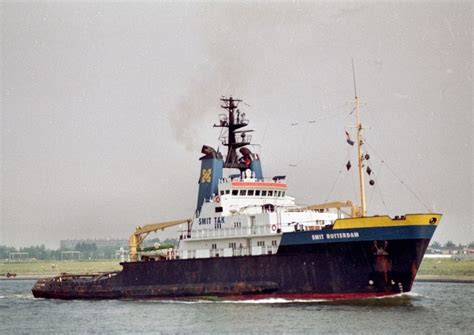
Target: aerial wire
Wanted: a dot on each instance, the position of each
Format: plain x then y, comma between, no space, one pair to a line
400,179
378,178
354,78
381,197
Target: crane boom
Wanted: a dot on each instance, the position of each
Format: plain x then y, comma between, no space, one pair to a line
141,233
338,205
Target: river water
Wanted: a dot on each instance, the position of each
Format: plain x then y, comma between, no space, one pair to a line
431,308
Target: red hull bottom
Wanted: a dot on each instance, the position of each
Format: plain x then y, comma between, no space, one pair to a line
310,296
289,297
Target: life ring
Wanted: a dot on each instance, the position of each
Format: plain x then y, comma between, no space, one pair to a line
274,227
217,198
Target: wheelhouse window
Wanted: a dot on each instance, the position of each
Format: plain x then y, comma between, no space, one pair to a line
264,193
268,208
270,193
227,191
257,193
250,192
242,193
235,192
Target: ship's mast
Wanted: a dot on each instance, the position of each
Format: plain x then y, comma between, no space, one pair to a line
233,121
363,209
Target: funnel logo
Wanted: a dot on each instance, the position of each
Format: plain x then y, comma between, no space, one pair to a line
206,176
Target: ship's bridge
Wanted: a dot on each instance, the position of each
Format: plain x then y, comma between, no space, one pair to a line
249,195
252,187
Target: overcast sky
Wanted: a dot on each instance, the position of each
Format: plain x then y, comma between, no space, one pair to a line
105,107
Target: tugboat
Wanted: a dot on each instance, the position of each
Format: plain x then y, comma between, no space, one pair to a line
248,239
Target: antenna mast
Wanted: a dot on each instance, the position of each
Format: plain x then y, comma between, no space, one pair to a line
233,120
363,209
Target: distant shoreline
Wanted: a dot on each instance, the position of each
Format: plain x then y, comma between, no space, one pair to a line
443,279
431,270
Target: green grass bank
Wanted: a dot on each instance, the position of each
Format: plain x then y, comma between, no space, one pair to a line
51,268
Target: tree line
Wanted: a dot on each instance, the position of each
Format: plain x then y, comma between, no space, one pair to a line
37,251
87,251
450,245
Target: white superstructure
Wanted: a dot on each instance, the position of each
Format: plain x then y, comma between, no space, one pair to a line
247,216
241,214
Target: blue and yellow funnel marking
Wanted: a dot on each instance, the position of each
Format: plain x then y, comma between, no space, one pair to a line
211,172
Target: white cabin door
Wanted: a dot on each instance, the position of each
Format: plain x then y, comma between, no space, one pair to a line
253,226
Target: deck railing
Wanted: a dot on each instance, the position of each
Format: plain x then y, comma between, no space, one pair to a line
228,252
232,232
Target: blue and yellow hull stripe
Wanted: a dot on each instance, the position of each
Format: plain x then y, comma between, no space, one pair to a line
382,228
386,221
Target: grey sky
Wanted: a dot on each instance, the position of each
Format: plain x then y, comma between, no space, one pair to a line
105,107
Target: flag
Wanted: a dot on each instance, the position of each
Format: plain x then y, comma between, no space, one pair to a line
351,142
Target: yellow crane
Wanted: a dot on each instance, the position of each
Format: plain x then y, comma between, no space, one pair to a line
141,233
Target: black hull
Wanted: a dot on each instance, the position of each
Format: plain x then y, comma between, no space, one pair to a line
308,271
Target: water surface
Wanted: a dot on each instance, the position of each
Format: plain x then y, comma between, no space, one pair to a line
431,308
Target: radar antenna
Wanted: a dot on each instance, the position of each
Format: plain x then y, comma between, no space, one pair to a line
233,121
